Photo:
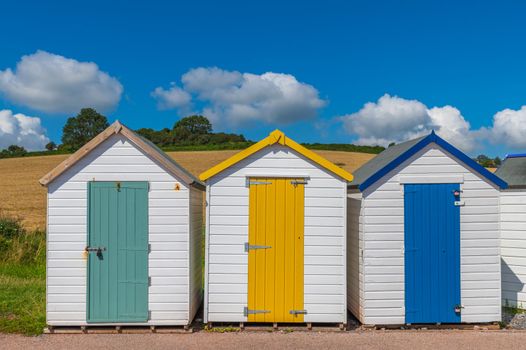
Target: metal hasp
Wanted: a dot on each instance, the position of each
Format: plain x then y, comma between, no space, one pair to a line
252,247
254,182
298,182
458,308
95,249
247,312
298,312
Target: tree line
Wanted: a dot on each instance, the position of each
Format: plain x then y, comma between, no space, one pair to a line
192,132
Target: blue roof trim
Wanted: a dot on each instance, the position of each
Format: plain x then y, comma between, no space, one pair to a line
516,155
432,137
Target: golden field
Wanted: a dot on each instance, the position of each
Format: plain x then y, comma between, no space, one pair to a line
21,195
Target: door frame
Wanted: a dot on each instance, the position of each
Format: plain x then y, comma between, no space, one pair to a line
88,255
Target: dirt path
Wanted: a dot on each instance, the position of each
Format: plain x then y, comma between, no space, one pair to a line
435,340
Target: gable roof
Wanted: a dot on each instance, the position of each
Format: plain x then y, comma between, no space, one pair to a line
395,155
145,145
513,170
277,137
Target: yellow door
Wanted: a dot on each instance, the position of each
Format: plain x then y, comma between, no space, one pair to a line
275,250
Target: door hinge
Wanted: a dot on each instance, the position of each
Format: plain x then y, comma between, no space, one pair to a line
459,203
298,182
298,312
247,312
260,182
149,247
252,247
149,315
149,281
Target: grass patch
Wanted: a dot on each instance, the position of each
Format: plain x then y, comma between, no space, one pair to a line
22,278
229,329
22,299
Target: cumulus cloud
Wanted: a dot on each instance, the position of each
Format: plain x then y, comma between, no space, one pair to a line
55,84
22,130
243,98
451,125
395,119
509,128
172,98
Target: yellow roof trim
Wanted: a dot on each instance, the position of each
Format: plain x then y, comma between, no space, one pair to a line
277,136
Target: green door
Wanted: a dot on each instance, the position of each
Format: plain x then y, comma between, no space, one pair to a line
118,252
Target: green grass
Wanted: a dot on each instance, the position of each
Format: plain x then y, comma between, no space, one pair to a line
22,298
22,278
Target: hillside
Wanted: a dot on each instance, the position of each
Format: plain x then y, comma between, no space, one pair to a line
21,195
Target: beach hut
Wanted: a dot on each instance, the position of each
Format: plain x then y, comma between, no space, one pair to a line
275,236
423,242
124,233
513,230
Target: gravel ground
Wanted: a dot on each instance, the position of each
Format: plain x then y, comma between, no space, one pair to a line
435,340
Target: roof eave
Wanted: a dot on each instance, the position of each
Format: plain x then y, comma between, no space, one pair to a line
277,137
117,128
433,138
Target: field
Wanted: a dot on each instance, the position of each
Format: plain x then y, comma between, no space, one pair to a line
21,195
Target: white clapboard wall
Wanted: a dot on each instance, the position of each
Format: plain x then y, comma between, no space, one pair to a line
513,247
172,286
325,227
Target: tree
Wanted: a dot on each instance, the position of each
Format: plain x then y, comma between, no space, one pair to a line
194,124
51,146
80,129
13,151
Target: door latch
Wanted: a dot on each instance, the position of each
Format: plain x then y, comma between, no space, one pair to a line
251,247
298,182
458,308
97,250
298,312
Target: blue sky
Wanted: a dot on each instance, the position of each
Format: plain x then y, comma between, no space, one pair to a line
404,58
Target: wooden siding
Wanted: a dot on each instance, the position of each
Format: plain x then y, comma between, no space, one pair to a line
354,246
325,222
383,245
196,250
513,247
117,160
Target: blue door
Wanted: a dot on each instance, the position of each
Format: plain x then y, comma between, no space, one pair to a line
432,253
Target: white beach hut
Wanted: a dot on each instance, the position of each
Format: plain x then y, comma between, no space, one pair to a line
124,233
423,243
513,230
275,236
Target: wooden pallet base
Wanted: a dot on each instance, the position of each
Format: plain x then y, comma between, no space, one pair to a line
280,327
119,330
423,327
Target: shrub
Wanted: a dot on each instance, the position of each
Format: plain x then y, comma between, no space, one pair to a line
18,245
10,227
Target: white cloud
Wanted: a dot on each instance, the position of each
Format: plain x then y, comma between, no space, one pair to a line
390,119
509,128
395,119
451,125
172,98
244,98
55,84
22,130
